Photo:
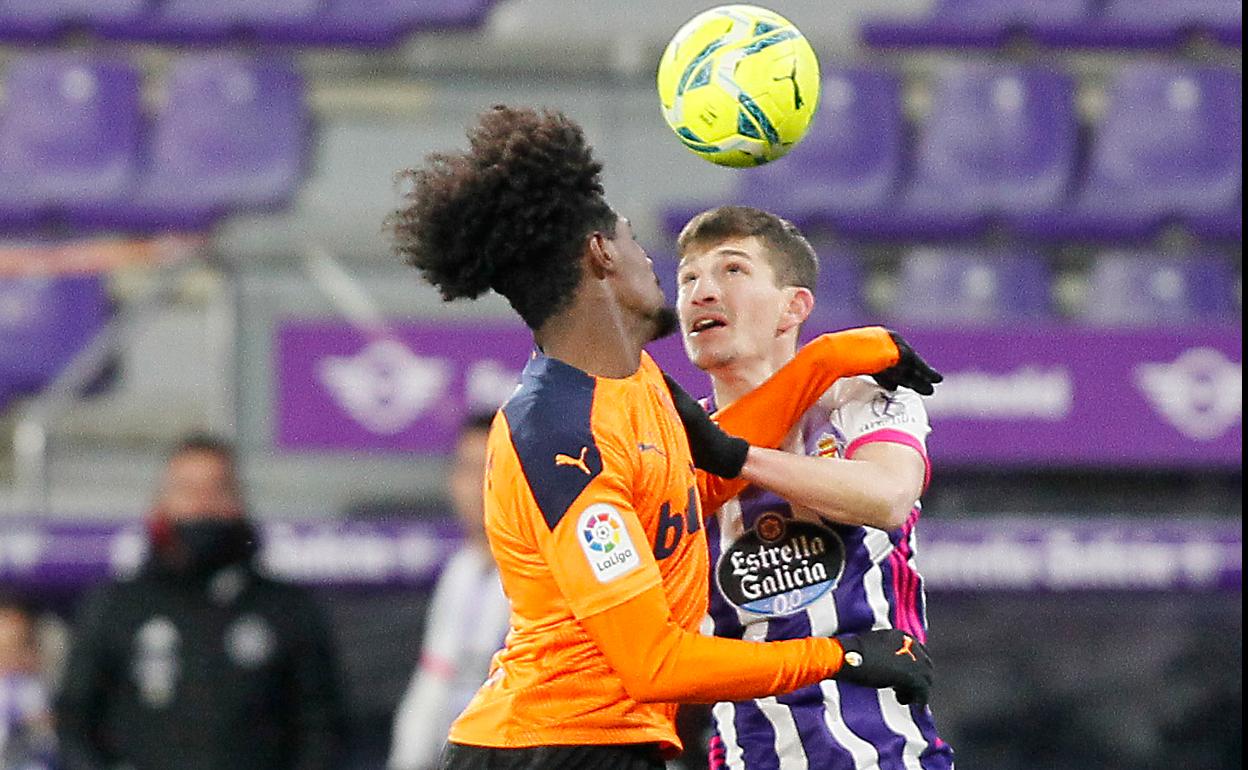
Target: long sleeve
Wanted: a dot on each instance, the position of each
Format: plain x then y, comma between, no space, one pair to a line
765,415
424,714
658,661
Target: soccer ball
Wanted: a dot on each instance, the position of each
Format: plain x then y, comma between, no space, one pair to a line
739,85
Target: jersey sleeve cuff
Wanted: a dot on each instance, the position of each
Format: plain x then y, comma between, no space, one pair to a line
893,436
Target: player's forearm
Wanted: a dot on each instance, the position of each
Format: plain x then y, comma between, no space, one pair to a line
765,415
847,491
658,662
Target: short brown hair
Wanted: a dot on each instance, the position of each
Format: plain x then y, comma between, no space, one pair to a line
791,255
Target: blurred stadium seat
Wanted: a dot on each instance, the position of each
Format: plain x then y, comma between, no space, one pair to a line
847,166
1157,23
249,156
1062,23
69,132
984,23
1126,288
309,22
840,299
943,286
380,22
218,21
43,322
999,140
1168,149
47,20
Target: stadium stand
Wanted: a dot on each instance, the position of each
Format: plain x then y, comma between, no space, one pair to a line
1067,23
48,20
308,22
943,286
851,160
1169,148
250,156
979,23
1130,288
69,134
44,322
1038,173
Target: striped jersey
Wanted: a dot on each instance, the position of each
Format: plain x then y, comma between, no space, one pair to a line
780,571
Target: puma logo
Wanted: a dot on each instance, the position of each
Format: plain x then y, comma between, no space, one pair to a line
905,649
575,462
643,447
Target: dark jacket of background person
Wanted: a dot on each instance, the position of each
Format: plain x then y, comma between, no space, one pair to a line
220,671
200,662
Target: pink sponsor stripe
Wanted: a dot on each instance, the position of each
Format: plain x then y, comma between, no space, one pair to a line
906,584
718,753
892,436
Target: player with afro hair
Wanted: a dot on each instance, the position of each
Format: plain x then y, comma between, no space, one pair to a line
592,503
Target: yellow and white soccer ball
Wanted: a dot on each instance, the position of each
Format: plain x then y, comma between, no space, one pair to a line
739,85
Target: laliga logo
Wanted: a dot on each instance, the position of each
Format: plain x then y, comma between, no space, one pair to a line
1199,394
602,533
384,387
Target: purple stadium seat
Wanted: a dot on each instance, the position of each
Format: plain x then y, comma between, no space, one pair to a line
218,20
248,156
839,294
1152,23
1132,288
1167,149
957,286
1225,225
846,167
977,22
999,140
44,322
378,22
69,132
45,19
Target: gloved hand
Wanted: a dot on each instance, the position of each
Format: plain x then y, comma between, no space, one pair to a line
887,658
910,371
713,450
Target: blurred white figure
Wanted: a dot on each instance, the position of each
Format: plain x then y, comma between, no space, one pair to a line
467,622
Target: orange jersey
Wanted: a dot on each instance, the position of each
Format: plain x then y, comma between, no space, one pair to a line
590,499
592,511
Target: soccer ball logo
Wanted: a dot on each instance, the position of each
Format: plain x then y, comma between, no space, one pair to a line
739,85
602,532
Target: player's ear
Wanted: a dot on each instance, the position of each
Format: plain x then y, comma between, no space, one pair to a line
598,255
798,307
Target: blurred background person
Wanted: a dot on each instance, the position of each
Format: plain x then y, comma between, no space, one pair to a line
27,741
467,621
200,662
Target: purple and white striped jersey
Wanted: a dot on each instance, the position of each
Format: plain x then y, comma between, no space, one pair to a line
780,571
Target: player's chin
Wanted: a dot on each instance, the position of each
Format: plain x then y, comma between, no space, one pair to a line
664,323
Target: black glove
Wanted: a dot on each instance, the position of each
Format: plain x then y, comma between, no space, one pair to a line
713,450
887,658
910,371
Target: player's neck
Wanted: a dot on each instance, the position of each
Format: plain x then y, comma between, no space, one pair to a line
734,380
595,337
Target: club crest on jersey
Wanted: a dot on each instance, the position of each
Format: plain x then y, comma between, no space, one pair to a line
606,542
780,566
831,443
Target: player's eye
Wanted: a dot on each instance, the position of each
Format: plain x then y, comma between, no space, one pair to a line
686,278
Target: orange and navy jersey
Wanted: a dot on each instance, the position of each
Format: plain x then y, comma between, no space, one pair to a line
590,499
